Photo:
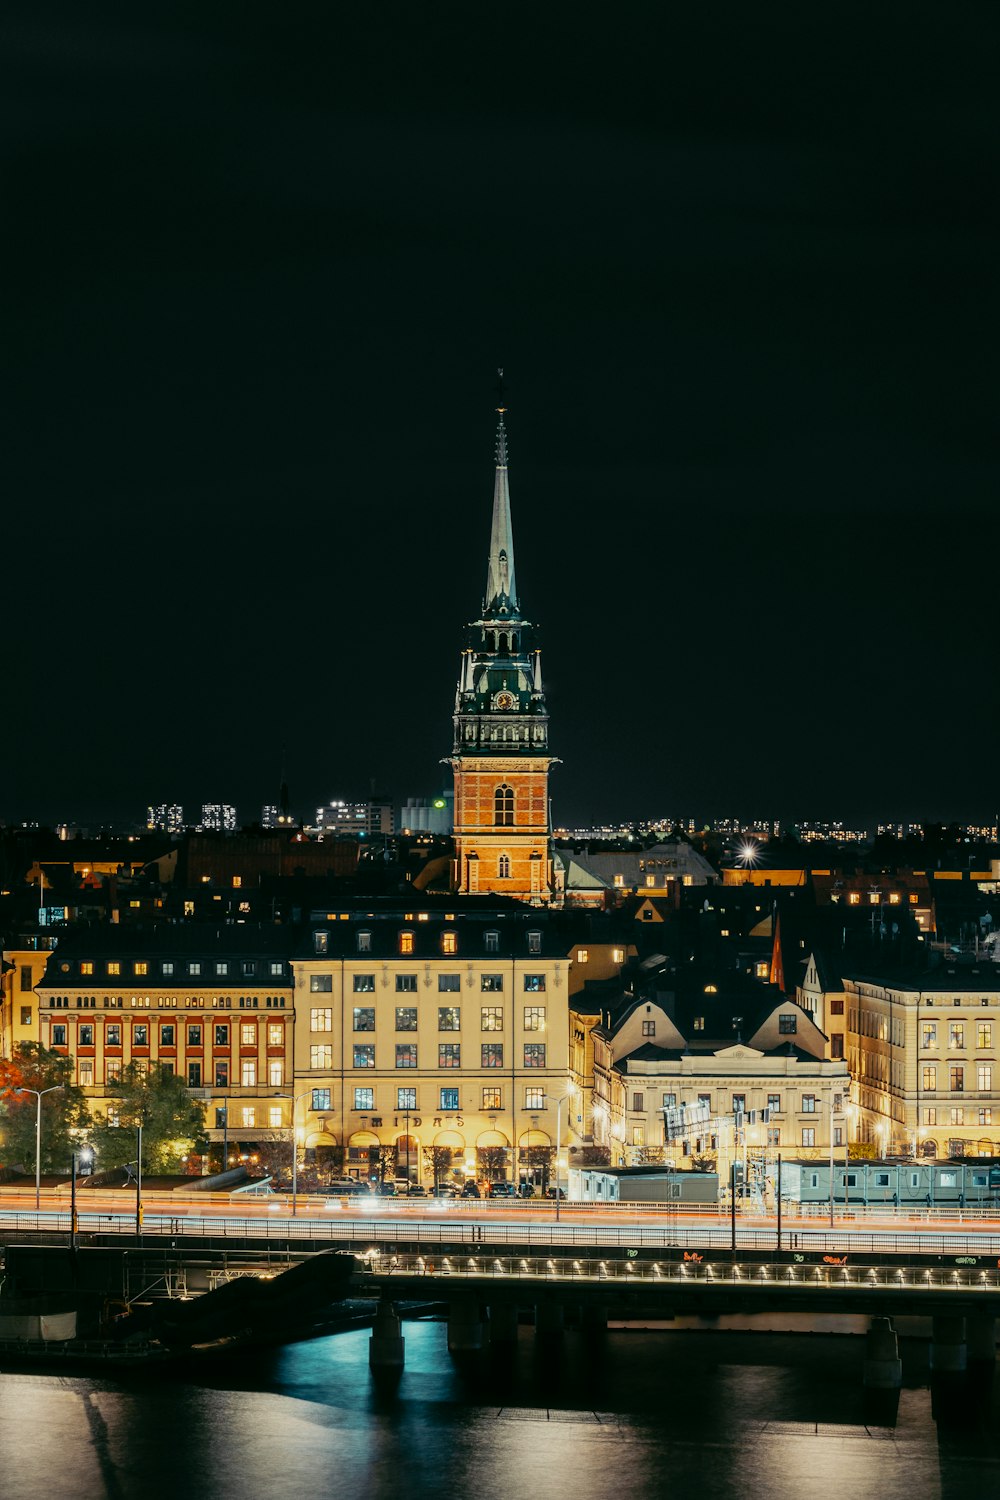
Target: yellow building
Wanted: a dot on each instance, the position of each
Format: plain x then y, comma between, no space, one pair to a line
23,966
440,1037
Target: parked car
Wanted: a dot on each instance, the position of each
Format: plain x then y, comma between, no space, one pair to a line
344,1186
503,1190
527,1189
386,1190
471,1189
416,1190
446,1190
554,1192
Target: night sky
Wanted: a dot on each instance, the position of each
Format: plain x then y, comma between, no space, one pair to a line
740,267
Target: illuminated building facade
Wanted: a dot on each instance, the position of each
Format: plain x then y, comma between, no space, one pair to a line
500,755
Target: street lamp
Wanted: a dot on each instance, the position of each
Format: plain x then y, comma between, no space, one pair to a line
563,1098
295,1148
39,1095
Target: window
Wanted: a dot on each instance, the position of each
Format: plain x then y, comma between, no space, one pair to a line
928,1079
449,942
809,1136
222,1035
406,984
168,1036
929,1117
838,1135
957,1118
492,1018
492,1099
837,1048
406,1098
956,1035
787,1024
449,1018
808,1104
534,942
364,1098
193,1075
364,1054
87,1073
491,984
141,967
534,1098
449,1055
276,1034
248,1034
491,941
669,1101
364,942
321,942
956,1078
59,1034
364,1018
928,1036
534,1018
449,1099
406,1018
248,1073
986,1117
534,984
406,942
984,1078
222,967
583,955
321,984
638,1103
277,969
984,1035
85,1037
194,967
774,1103
492,1055
449,984
275,1073
698,1024
364,984
221,1074
406,1054
85,968
113,1034
503,806
534,1054
274,1116
773,1136
114,967
140,1035
649,1028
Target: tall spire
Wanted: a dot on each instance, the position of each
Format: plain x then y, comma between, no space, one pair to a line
501,590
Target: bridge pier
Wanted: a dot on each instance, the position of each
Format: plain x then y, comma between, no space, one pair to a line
948,1347
466,1333
386,1345
503,1323
982,1339
594,1319
550,1317
883,1370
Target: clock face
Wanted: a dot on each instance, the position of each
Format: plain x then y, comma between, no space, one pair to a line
504,700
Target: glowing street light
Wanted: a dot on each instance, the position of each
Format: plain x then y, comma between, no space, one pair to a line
39,1096
295,1148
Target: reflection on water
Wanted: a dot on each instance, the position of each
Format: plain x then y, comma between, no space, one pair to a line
681,1414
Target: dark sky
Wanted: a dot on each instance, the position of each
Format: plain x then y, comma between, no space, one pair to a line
740,267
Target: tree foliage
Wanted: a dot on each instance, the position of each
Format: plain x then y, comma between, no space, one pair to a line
173,1125
64,1110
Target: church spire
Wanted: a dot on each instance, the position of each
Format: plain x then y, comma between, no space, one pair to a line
501,589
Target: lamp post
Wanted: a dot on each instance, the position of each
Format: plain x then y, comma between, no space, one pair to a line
559,1104
39,1096
295,1148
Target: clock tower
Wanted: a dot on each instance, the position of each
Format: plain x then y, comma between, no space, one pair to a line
500,756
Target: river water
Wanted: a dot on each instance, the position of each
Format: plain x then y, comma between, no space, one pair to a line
681,1414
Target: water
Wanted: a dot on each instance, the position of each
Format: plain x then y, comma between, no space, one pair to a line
686,1415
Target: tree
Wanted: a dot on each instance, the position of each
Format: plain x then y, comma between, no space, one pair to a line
381,1162
492,1162
539,1158
173,1125
591,1156
64,1110
439,1160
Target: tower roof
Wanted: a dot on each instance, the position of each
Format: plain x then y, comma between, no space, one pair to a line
501,589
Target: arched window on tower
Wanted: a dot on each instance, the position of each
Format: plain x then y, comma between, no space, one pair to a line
503,867
503,806
513,643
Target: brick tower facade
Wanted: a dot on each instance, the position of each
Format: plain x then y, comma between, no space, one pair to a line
500,755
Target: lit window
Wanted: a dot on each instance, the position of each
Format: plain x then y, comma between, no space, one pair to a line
534,1054
364,984
406,1054
406,1018
449,1018
808,1104
449,1099
582,955
534,983
809,1136
492,1055
449,1055
364,1055
86,967
248,1034
534,1098
956,1078
534,1018
321,1056
364,942
237,882
406,984
618,955
956,1035
406,942
249,1116
274,1116
711,989
275,1034
984,1035
449,942
928,1079
491,1018
406,1098
649,1028
364,1098
491,984
984,1078
364,1018
698,1024
492,1099
275,1073
534,942
114,967
322,984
